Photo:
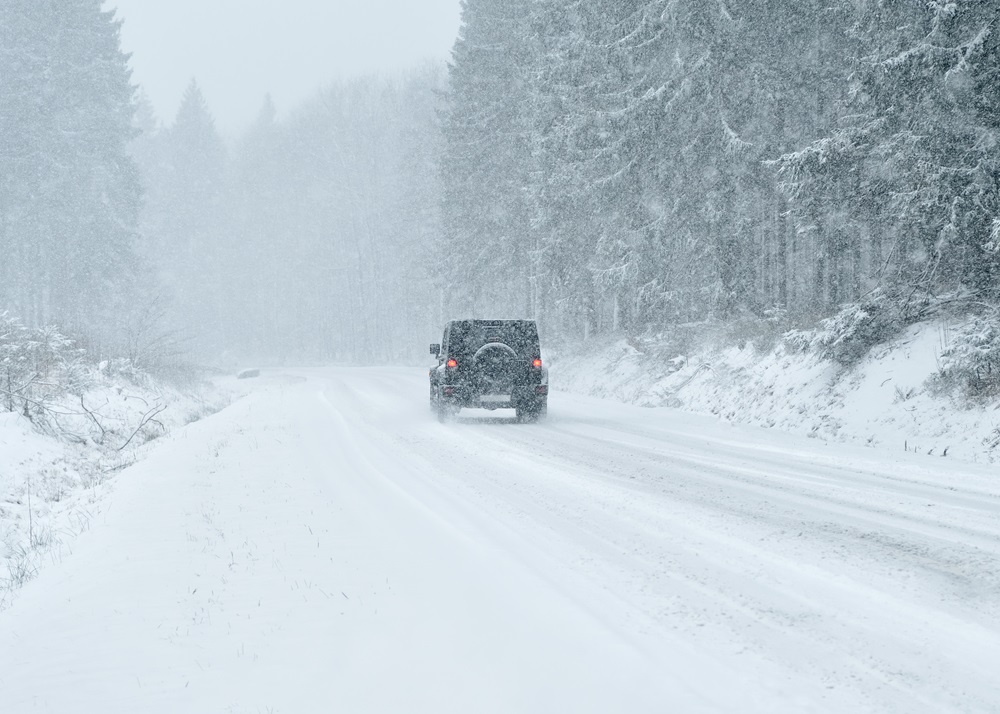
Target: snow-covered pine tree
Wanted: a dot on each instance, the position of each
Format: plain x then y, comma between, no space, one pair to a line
24,55
188,251
984,73
413,210
488,248
564,194
673,137
912,159
258,279
149,151
71,193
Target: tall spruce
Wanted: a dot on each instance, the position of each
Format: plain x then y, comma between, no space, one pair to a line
911,161
69,190
189,249
488,246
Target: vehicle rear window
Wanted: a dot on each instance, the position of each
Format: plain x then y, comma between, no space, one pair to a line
521,336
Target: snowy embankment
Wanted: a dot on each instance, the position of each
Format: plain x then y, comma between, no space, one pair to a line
57,466
886,400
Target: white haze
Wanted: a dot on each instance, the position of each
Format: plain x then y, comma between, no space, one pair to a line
239,50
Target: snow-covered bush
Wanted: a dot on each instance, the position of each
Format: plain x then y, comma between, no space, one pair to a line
48,379
124,369
762,331
971,362
850,334
37,368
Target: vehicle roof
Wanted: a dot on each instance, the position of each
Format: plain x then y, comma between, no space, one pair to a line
491,322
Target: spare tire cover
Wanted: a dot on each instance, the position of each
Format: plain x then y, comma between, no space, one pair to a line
494,361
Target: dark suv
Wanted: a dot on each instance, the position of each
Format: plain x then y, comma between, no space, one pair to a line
489,364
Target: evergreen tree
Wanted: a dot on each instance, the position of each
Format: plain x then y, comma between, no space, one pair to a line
258,282
486,164
564,182
188,249
71,190
911,159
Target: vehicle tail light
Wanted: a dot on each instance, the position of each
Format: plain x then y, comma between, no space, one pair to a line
537,364
542,389
452,363
449,391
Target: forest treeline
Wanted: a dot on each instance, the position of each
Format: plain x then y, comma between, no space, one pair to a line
70,194
306,238
607,167
310,237
627,165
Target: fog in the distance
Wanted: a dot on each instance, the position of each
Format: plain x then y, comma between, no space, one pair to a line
241,49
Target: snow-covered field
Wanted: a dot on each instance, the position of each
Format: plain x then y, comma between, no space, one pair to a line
885,401
325,545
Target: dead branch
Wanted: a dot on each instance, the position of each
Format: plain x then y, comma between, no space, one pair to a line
147,417
35,403
93,418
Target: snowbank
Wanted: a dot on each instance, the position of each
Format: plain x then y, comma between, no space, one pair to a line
52,479
885,400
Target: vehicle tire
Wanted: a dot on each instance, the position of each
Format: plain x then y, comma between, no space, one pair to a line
446,412
526,415
532,412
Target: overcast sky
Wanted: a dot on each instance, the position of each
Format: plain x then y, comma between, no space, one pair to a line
241,49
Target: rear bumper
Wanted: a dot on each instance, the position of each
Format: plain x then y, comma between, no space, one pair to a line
530,396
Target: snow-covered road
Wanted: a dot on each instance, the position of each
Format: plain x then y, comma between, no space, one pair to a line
325,546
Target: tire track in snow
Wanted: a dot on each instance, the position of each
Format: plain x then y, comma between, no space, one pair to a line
785,547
